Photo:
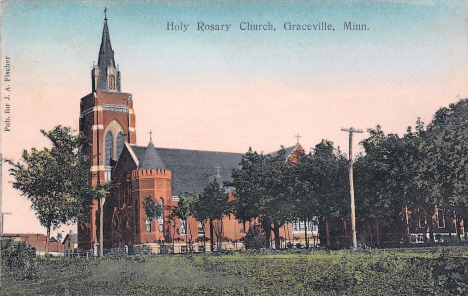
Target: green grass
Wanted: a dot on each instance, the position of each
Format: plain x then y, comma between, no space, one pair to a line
429,271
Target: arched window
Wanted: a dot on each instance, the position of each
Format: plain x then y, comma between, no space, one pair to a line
161,217
111,82
120,143
108,148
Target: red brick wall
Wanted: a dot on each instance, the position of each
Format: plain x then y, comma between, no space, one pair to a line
93,126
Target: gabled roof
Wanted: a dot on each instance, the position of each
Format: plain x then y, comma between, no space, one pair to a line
191,169
74,238
288,150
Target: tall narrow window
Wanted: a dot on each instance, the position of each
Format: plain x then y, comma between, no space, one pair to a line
108,155
120,143
111,82
440,220
108,149
161,217
201,227
148,225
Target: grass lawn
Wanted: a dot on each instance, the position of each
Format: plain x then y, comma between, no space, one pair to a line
429,271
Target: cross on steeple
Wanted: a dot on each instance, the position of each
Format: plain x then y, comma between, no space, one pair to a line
150,135
106,76
297,136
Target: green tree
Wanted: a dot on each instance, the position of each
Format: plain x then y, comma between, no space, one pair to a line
446,161
18,260
385,175
152,209
321,187
264,190
212,204
185,208
55,180
248,186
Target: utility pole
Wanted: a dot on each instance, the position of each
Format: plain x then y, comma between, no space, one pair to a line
3,221
102,200
351,185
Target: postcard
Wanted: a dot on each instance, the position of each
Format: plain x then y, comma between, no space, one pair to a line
205,81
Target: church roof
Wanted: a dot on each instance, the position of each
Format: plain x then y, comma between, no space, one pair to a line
193,169
288,150
149,158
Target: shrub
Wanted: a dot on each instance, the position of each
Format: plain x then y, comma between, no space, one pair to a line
19,260
255,242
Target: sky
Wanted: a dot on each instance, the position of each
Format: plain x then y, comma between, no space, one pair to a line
230,90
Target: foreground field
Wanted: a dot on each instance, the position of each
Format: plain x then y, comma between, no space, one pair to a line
375,272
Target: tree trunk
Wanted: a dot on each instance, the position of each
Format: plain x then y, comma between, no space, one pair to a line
276,229
187,227
266,225
377,232
430,227
220,237
369,229
47,242
407,223
173,235
305,233
101,226
457,227
327,230
211,236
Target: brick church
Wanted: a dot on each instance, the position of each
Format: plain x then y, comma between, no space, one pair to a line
108,122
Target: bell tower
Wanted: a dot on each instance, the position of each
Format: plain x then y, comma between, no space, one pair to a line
105,76
107,121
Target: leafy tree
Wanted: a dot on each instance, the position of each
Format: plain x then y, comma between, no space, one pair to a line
55,180
304,196
152,209
18,259
248,184
446,160
425,169
212,204
185,208
263,190
321,185
385,175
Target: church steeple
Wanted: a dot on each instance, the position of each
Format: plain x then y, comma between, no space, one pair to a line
105,75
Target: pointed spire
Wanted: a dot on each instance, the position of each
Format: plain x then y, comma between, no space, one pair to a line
106,74
106,54
151,159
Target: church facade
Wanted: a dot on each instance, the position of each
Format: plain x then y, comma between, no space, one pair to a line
108,123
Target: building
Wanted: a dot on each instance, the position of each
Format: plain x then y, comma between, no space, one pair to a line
37,241
108,123
70,244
